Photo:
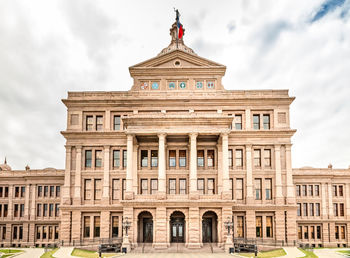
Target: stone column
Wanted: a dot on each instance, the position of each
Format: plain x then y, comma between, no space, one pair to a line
10,207
76,226
330,201
249,183
193,166
279,225
77,186
278,175
292,226
160,228
347,204
128,212
65,227
289,176
323,201
66,199
105,194
161,168
226,238
105,225
193,224
225,168
26,202
129,170
250,224
108,120
247,119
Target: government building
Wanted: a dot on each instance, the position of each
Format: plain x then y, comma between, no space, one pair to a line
174,161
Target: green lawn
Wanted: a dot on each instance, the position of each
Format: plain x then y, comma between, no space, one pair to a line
308,254
9,252
89,254
344,252
267,254
49,254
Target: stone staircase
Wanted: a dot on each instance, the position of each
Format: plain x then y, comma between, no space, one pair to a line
177,248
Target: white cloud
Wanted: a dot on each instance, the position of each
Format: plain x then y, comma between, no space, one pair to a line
50,47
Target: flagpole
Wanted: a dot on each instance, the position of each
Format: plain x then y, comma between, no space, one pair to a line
177,20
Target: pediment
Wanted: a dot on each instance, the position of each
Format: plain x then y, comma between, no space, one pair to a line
183,58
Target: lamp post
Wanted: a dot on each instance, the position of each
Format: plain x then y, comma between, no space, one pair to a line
228,225
126,225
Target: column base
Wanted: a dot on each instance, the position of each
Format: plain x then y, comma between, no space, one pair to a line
250,199
161,196
66,201
194,196
193,245
226,195
76,201
228,243
279,200
126,244
129,196
105,201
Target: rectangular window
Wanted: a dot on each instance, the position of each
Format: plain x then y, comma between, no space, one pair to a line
257,158
98,158
144,158
335,190
300,233
58,191
211,186
57,210
240,226
98,189
318,232
116,158
5,210
312,232
45,210
239,188
123,188
144,186
258,221
306,232
298,190
40,191
99,123
335,209
317,190
116,123
210,158
1,191
172,186
317,209
239,158
342,232
311,209
304,190
87,189
299,209
340,190
16,191
341,209
50,209
89,123
182,158
305,209
23,190
200,158
256,122
96,226
86,226
200,185
336,232
311,190
52,191
269,226
183,186
125,158
56,232
46,191
6,191
88,158
15,212
172,158
266,121
257,182
267,158
230,158
154,186
21,210
115,226
115,189
44,232
38,232
268,188
154,158
238,122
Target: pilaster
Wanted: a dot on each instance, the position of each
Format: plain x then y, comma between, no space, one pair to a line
77,185
160,228
193,166
66,198
289,176
105,225
105,194
225,168
193,232
161,168
129,170
249,183
76,226
278,175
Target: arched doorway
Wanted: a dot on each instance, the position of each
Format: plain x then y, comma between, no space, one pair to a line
145,227
209,227
177,227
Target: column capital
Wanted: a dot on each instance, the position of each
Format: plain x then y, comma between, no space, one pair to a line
161,135
78,147
68,148
249,146
277,146
288,147
193,135
224,134
107,147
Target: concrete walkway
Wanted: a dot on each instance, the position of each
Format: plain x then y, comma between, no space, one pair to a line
292,252
30,252
64,252
178,255
327,253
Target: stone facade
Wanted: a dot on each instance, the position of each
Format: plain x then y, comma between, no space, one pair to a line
177,156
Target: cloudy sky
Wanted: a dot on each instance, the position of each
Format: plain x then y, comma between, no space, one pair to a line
50,47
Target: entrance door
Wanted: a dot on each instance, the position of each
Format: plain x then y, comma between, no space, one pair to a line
207,230
177,230
147,230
